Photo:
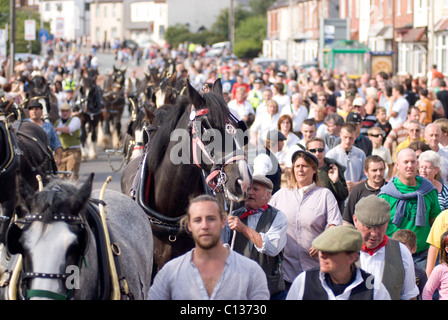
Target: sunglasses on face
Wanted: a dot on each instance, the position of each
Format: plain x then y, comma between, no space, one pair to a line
315,150
375,135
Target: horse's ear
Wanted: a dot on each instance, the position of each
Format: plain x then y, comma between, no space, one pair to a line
115,69
154,75
81,198
194,96
217,87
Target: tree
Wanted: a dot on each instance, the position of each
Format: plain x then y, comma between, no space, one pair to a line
249,36
22,14
259,7
250,29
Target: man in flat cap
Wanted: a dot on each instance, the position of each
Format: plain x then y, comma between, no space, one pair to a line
261,233
68,128
35,110
387,259
338,277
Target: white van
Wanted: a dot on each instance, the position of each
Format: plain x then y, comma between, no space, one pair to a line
221,45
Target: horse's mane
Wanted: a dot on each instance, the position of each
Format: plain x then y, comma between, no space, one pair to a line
218,112
167,118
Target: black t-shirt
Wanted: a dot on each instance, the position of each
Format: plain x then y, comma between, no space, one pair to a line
360,191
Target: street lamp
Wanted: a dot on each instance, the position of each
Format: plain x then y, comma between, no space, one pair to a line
12,36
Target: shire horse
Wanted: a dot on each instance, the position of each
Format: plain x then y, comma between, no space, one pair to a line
24,153
114,103
39,89
196,149
88,102
70,251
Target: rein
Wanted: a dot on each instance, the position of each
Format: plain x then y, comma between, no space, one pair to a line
217,171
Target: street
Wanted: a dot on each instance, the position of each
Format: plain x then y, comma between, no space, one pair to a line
102,166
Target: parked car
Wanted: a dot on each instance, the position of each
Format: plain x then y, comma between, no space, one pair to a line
308,65
266,62
221,45
25,56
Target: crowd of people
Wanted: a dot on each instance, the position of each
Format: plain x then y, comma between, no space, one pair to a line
350,181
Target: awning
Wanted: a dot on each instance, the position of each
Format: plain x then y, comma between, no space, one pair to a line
415,35
373,30
441,25
387,32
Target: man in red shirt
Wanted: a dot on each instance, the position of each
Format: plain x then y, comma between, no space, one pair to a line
239,83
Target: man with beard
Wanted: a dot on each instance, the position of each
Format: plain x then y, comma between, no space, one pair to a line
210,270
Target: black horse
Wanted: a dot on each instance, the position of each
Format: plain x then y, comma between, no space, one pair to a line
24,154
39,89
89,103
9,174
114,103
209,158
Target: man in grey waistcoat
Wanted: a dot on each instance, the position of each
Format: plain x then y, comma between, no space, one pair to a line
261,233
383,257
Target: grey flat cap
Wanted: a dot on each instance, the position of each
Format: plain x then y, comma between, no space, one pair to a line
372,211
263,181
338,239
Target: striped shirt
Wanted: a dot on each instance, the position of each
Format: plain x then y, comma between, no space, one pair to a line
443,197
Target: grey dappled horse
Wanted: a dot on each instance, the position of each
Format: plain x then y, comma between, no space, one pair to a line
63,247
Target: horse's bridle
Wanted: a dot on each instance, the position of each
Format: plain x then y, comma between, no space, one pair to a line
218,163
27,276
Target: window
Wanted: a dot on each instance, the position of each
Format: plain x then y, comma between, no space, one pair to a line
442,52
381,9
47,7
398,8
161,31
